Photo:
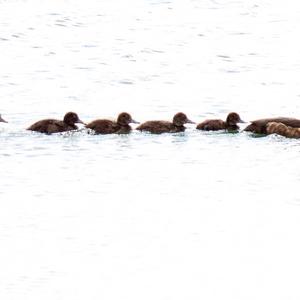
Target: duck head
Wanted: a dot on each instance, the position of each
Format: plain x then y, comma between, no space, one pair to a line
233,118
180,119
72,118
125,119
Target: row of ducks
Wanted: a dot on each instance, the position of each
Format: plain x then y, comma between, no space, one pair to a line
289,127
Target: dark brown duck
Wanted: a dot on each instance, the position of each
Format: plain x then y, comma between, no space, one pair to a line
53,126
260,125
2,120
121,126
281,129
216,124
177,125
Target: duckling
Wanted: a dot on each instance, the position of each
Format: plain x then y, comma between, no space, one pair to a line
157,127
49,126
121,126
216,124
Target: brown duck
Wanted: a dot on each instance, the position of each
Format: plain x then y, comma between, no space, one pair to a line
260,125
216,124
177,125
103,126
49,126
281,129
2,120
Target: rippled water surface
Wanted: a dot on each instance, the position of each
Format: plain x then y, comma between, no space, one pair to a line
176,216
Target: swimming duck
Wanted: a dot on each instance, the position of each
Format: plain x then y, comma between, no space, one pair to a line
103,126
2,120
177,125
216,124
281,129
259,126
53,126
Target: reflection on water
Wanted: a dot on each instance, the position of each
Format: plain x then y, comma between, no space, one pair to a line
171,216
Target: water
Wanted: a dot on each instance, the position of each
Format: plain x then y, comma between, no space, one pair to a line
176,216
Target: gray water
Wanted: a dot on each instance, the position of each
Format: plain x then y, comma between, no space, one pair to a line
177,216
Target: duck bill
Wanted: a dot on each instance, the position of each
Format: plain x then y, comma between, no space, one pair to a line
242,121
134,122
2,120
190,122
81,122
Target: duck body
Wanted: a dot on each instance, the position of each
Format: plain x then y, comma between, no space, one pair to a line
213,125
104,126
49,126
216,124
260,126
158,127
282,129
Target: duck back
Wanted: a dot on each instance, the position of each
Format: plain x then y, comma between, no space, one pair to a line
282,129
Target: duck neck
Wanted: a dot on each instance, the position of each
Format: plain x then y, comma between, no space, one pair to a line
70,123
232,126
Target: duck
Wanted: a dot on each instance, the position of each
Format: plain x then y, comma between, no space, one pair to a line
230,124
260,126
49,126
2,120
282,129
104,126
157,127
